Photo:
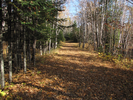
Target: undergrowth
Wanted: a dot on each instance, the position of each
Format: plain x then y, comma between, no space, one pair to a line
118,59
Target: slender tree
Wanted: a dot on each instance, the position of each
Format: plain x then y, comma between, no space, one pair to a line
2,78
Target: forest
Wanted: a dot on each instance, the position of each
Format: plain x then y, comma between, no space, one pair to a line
47,54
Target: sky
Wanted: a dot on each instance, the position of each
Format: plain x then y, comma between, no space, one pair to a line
72,7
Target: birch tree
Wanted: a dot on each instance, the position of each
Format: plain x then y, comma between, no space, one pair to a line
10,44
2,78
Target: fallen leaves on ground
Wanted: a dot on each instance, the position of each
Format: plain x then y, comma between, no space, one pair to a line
72,74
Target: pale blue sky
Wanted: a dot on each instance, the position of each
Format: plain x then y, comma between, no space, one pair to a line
72,6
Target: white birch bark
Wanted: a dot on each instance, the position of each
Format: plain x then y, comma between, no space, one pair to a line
56,32
2,78
97,35
79,37
84,24
101,31
10,63
56,38
122,23
40,48
45,48
2,61
50,44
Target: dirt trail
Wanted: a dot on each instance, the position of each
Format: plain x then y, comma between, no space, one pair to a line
73,74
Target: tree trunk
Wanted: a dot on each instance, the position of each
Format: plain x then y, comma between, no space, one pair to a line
24,50
20,48
97,37
128,38
45,47
49,45
52,45
106,31
10,62
1,50
40,48
17,52
84,16
79,38
28,49
34,51
29,52
56,38
122,23
10,45
94,35
114,41
101,29
10,56
2,62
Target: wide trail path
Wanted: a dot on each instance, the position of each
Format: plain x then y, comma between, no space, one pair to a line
74,74
84,76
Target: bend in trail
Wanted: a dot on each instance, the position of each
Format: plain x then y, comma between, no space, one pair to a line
74,74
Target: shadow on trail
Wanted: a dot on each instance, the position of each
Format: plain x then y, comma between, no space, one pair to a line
81,58
70,46
73,48
70,49
91,82
85,81
38,95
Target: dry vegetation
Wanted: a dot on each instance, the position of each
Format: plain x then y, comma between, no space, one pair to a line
72,74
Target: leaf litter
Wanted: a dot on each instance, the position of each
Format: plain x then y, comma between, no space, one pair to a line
72,74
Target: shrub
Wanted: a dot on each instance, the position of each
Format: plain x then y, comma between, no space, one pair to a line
61,37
